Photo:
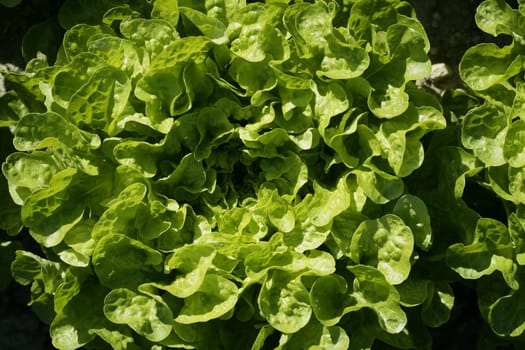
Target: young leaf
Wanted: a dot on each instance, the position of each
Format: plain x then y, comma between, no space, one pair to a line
385,243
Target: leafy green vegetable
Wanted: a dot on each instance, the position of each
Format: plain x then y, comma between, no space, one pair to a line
194,168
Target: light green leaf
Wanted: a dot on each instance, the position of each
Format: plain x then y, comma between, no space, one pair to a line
119,340
181,51
73,258
327,204
514,145
484,130
118,14
343,61
37,131
379,186
253,77
517,184
370,289
167,10
76,39
413,211
400,137
491,250
254,36
153,34
121,213
101,100
147,316
27,267
52,211
142,262
139,155
486,65
496,17
73,326
284,302
386,243
215,297
27,173
315,336
278,209
276,255
192,262
119,53
330,99
389,103
210,27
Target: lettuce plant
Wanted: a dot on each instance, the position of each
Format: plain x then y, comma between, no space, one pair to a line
494,133
482,234
231,175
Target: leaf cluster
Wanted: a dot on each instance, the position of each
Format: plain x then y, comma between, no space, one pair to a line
262,175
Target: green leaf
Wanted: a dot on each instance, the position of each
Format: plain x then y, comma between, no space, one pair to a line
27,173
400,136
486,65
210,27
370,289
328,296
284,302
491,250
147,316
73,326
76,40
496,17
276,255
121,213
167,10
37,131
188,177
484,130
52,211
110,88
413,211
379,186
119,53
216,296
315,336
506,316
152,34
192,262
253,77
142,262
514,146
436,309
413,292
254,36
385,243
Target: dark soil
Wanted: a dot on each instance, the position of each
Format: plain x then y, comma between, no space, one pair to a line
451,29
